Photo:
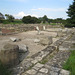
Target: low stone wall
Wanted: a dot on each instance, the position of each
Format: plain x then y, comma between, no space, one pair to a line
10,29
7,31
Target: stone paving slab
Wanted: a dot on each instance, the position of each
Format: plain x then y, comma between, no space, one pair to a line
44,70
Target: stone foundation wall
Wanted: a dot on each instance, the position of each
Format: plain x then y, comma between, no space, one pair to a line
10,29
7,31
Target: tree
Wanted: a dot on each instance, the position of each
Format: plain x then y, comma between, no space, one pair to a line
26,19
71,14
45,19
10,18
29,19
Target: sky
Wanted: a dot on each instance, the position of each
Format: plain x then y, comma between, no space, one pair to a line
38,8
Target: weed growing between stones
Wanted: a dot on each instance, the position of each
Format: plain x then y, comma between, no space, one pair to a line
30,67
45,60
70,63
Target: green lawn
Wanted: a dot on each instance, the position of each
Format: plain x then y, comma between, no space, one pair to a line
70,63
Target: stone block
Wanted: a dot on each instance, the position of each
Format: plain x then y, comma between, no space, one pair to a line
31,72
36,40
46,41
53,73
64,72
44,70
9,55
13,39
39,65
23,48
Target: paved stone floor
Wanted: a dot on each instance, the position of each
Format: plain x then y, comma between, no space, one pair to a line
52,67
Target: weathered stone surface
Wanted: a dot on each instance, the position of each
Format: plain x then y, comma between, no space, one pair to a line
59,34
13,39
40,74
10,55
65,46
36,40
53,73
53,66
44,70
18,70
23,48
46,40
60,58
37,59
36,68
44,28
64,72
26,64
55,69
31,72
24,74
23,51
39,65
34,61
47,66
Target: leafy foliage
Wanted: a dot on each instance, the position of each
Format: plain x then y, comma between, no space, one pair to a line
71,14
45,19
29,19
10,18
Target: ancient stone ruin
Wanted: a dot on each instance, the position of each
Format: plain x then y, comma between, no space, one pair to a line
27,53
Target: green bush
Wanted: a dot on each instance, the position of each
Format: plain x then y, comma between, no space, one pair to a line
71,14
14,22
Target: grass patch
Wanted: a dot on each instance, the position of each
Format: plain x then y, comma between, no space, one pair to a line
70,63
43,61
31,67
3,70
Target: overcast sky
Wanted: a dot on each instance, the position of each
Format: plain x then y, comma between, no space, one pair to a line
38,8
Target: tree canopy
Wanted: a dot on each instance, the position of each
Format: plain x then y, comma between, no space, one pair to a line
29,19
71,14
10,18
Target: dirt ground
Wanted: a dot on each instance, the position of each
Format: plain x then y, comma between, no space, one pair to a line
27,38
